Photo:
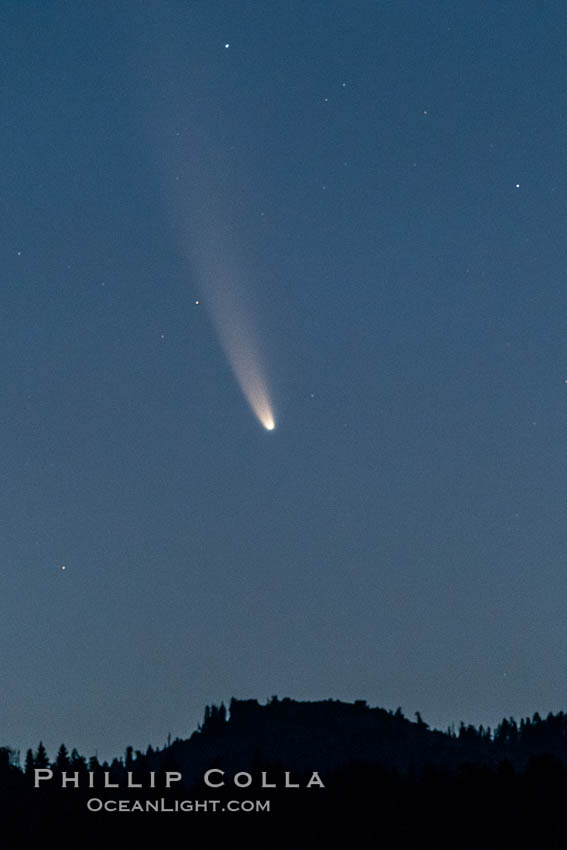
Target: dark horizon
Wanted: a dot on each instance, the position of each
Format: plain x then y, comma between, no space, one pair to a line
490,733
327,768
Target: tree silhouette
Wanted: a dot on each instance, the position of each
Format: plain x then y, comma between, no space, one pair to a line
41,758
29,765
62,761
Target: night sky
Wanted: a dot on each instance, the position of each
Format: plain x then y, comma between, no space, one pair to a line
371,198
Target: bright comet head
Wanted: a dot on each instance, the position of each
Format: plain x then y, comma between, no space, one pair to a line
260,404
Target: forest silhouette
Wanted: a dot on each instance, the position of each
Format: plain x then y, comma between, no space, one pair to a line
388,781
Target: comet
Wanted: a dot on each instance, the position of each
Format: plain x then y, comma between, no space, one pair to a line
246,369
209,238
245,365
239,343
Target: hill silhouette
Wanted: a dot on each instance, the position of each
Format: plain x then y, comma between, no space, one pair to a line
350,770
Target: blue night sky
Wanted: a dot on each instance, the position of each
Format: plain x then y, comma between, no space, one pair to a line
371,198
